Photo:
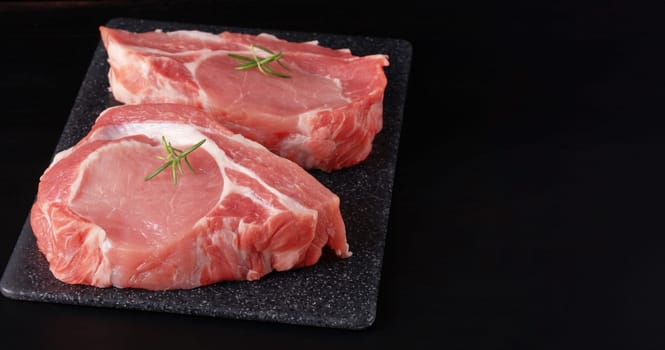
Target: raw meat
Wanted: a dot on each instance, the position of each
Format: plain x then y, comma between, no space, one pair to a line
325,116
244,213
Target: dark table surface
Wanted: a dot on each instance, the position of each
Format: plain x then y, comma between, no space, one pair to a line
528,203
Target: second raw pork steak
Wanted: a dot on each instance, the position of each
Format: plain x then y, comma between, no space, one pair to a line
324,116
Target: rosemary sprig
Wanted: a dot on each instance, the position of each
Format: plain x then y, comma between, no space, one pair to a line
173,159
261,63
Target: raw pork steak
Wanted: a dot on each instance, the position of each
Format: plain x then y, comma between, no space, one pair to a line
324,116
244,213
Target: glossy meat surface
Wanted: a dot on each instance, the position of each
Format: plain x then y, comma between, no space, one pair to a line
244,212
324,116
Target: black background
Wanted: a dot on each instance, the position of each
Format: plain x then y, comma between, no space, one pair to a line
528,203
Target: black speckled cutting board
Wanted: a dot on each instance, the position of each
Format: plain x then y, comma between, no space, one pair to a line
337,293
